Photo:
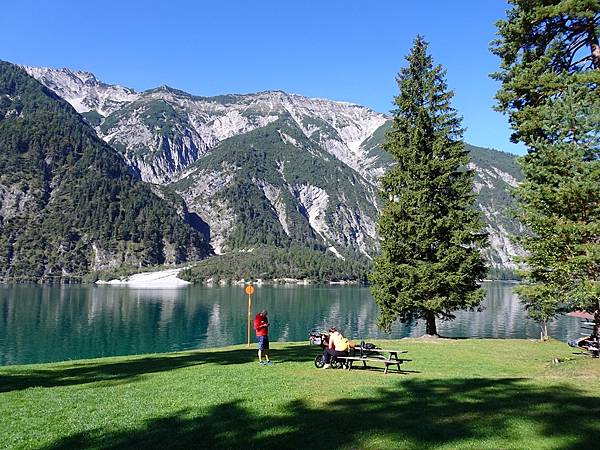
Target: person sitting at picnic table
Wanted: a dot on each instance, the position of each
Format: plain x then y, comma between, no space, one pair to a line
338,346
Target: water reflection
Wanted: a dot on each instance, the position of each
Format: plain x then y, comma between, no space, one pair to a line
55,323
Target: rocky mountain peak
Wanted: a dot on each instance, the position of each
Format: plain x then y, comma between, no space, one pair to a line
147,122
310,165
83,90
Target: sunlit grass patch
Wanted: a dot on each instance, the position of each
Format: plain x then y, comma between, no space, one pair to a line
454,394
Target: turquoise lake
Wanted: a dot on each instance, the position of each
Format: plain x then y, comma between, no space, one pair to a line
66,322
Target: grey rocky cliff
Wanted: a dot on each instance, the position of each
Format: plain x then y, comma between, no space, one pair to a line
190,143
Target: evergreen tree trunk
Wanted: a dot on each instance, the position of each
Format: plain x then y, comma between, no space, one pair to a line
544,326
430,326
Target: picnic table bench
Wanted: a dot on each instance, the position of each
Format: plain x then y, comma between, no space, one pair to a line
377,355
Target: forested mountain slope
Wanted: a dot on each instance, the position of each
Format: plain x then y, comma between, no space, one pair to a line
69,203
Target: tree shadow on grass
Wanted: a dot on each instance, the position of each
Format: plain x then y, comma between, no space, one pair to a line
130,370
412,414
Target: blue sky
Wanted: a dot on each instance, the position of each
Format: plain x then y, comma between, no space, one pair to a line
344,50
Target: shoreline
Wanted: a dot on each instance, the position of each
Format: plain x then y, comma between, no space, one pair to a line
165,279
278,345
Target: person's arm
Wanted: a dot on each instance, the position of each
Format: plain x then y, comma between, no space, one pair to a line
331,339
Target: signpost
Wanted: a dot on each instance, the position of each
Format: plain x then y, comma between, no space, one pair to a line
249,290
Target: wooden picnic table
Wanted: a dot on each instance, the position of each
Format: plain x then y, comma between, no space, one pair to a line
377,355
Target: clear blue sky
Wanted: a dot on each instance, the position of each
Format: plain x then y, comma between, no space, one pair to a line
345,50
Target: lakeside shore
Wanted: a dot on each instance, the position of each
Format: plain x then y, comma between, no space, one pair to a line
169,279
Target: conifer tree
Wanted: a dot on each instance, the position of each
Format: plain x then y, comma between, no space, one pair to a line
550,73
431,234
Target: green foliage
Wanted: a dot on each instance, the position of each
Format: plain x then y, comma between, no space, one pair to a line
257,221
503,274
550,75
494,196
123,271
268,263
157,114
544,46
92,117
431,234
560,203
372,145
230,181
66,195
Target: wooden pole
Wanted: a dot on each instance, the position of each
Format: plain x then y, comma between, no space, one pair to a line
249,290
249,316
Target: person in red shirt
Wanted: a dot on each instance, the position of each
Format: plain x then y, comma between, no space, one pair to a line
261,327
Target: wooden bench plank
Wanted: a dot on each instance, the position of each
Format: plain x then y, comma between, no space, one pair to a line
382,350
358,358
387,362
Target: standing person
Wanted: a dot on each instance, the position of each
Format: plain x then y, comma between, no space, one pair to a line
338,346
261,327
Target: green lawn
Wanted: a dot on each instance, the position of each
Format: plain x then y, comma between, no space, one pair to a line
455,394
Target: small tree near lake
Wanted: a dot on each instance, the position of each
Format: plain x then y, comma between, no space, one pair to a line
431,234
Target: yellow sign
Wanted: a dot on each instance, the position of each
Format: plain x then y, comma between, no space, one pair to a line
249,289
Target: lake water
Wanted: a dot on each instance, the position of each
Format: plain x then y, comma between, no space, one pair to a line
56,323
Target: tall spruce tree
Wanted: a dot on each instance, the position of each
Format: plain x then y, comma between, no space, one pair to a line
550,73
431,234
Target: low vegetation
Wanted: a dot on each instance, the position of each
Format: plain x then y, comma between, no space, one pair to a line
454,394
268,263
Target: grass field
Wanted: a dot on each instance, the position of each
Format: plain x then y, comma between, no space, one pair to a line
454,394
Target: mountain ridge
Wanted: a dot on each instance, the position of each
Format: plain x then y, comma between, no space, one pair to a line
199,147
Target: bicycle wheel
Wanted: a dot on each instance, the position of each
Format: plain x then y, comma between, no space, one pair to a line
319,361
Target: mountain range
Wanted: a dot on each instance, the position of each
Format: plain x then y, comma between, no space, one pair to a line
269,168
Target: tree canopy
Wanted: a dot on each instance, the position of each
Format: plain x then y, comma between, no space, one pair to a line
550,73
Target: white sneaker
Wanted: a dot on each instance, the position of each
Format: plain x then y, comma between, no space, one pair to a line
326,366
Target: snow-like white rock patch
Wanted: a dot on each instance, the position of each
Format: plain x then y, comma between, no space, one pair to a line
165,279
333,250
489,176
83,90
273,194
287,139
314,200
506,177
